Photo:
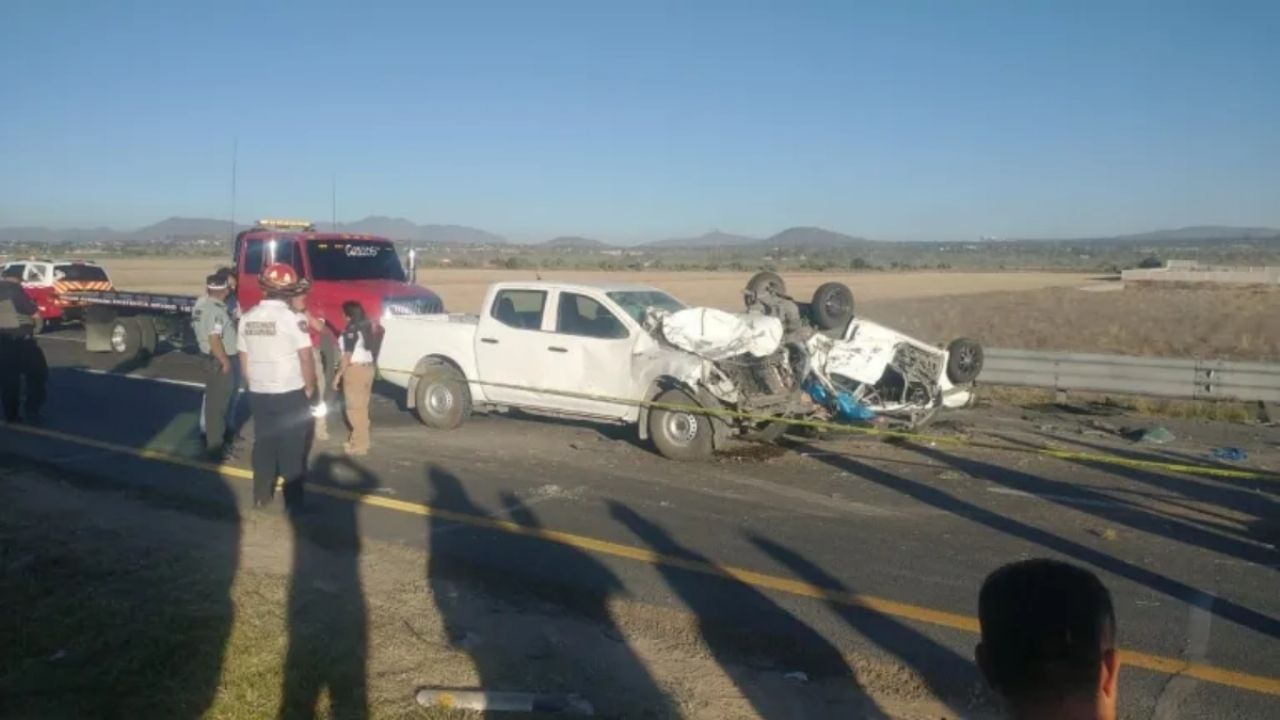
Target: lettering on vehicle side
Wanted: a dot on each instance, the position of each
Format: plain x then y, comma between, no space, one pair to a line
260,328
363,251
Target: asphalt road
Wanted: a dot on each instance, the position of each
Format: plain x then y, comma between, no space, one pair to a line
1191,560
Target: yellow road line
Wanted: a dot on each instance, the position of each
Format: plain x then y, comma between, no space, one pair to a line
892,608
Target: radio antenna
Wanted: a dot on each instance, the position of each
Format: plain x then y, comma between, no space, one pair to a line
235,154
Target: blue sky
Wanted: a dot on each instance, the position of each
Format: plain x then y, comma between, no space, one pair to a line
898,120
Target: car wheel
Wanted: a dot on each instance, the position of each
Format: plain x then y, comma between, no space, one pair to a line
832,306
126,338
680,435
39,325
767,281
443,399
964,361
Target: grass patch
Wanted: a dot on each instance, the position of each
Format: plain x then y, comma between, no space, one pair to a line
1216,410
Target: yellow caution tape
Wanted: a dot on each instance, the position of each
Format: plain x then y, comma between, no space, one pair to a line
909,436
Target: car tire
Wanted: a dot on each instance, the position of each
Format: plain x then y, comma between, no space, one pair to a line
683,436
964,361
832,306
443,400
126,338
767,281
39,325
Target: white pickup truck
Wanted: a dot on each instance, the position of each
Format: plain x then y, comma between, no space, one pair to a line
572,349
631,353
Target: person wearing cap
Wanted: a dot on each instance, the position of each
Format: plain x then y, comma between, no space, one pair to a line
276,358
215,333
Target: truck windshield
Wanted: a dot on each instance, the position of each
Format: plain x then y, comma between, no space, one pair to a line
355,260
80,273
636,302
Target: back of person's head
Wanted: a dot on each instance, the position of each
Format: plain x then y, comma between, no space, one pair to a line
353,310
1048,640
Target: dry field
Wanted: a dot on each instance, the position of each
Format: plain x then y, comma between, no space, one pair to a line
463,290
1032,310
1212,323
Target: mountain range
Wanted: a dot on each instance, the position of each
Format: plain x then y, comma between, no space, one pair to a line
178,228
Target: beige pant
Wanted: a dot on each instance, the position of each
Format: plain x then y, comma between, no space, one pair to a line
357,386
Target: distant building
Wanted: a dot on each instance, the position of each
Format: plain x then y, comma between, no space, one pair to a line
1190,271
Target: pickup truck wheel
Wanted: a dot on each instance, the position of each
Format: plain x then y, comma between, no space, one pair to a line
767,281
964,361
149,336
443,399
680,435
126,338
39,325
832,306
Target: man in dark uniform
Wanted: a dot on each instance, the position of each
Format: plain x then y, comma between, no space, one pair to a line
20,356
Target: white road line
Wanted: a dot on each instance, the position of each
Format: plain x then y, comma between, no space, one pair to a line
136,376
1199,621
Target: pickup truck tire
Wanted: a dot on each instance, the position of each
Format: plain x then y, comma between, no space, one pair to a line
832,306
443,399
126,338
39,325
677,435
964,361
766,281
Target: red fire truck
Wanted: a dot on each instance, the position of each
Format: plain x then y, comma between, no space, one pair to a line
340,267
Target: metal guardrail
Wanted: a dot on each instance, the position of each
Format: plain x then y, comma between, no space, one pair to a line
1163,377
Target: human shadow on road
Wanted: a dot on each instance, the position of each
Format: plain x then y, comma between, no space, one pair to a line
109,632
479,575
328,623
1104,506
737,622
950,677
928,495
1238,496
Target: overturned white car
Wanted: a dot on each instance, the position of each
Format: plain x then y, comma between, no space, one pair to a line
689,378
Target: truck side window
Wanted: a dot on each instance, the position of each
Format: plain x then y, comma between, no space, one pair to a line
519,308
252,257
581,315
34,274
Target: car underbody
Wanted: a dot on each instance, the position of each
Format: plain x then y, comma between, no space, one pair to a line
783,360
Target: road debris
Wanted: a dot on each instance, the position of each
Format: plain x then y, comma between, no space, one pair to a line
797,676
486,701
1157,435
953,475
1230,454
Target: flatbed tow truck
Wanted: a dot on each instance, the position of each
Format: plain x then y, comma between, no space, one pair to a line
339,266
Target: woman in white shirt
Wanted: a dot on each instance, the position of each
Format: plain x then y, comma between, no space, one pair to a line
355,375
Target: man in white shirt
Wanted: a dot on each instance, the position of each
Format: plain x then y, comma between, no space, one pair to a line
275,355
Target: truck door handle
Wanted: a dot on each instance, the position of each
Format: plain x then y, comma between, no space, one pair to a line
553,348
491,341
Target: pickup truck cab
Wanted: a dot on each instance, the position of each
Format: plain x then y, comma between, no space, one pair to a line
339,266
49,282
572,349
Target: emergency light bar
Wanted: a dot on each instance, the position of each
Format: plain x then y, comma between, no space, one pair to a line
283,224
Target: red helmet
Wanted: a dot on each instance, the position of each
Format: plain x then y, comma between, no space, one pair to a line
282,279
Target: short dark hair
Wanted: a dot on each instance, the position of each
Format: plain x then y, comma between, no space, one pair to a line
1045,627
13,271
353,310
